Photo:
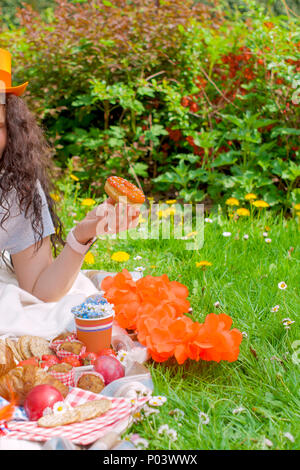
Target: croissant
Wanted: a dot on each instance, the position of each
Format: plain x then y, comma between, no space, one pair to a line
7,361
23,379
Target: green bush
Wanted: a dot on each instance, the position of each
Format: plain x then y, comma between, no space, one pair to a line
196,100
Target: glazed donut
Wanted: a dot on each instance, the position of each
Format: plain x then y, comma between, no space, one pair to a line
117,187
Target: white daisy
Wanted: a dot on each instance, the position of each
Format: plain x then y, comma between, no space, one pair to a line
245,335
226,234
275,309
204,418
177,413
217,304
287,322
246,236
139,268
122,353
268,443
157,401
289,436
208,220
268,240
61,407
141,443
137,416
170,433
138,257
265,234
162,429
238,410
282,285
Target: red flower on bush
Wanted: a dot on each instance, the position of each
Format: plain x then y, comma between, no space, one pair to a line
174,134
194,107
185,101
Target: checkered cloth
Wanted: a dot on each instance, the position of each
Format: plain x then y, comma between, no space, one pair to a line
83,433
19,414
54,344
67,378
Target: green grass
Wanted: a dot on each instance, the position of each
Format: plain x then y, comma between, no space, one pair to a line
244,278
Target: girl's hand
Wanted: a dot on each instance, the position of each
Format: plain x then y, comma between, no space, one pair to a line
106,218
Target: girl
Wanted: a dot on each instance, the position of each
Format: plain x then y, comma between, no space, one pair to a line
29,224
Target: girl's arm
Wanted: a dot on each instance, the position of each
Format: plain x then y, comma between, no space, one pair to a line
48,279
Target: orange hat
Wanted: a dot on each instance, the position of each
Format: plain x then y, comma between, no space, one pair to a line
5,75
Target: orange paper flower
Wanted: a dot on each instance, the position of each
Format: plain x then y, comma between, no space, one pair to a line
155,307
215,341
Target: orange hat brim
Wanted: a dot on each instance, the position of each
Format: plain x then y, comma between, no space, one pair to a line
16,90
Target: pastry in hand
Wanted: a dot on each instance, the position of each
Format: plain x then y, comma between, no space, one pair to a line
117,188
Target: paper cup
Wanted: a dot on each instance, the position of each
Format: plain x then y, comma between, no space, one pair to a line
95,333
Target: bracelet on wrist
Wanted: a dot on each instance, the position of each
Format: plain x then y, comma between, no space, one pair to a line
80,248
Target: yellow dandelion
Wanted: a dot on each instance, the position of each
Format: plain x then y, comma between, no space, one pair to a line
74,177
162,213
250,197
89,258
153,266
203,263
55,196
232,201
297,207
260,204
150,198
298,214
171,201
120,256
171,211
88,202
243,211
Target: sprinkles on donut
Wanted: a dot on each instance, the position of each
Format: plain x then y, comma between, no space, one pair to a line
117,187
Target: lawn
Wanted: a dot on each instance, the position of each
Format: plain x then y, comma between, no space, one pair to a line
252,403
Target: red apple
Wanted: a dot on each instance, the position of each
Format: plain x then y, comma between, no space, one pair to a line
39,398
110,368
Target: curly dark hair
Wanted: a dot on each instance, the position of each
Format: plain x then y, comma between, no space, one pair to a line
26,158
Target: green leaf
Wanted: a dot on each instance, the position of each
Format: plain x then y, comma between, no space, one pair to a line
146,91
106,3
140,169
227,158
284,131
83,100
235,120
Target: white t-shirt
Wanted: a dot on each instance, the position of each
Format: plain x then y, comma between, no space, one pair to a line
18,233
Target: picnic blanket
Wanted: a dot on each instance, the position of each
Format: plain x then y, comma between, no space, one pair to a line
85,432
22,313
